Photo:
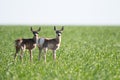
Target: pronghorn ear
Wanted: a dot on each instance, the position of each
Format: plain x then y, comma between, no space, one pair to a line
31,29
39,29
54,28
62,28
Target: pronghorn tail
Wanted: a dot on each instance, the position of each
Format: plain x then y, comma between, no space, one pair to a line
18,42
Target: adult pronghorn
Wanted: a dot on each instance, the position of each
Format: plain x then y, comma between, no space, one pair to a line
22,44
53,44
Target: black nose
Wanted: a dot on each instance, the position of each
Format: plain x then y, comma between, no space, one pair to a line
35,34
58,34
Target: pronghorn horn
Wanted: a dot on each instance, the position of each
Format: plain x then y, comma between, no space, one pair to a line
62,28
54,28
39,29
31,29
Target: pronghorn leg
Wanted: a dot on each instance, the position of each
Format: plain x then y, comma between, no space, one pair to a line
40,51
22,51
54,54
45,51
17,50
30,55
21,55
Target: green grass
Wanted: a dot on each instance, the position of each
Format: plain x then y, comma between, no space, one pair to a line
86,53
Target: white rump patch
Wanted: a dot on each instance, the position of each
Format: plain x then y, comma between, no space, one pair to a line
41,41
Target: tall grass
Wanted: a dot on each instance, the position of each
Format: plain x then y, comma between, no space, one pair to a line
86,53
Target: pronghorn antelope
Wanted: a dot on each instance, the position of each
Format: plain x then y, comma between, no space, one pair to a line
22,44
53,44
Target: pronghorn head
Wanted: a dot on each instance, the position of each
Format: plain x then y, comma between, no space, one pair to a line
58,32
35,33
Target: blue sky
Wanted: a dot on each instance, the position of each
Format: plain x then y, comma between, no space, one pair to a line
69,12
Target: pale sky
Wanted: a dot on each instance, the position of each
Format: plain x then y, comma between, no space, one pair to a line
67,12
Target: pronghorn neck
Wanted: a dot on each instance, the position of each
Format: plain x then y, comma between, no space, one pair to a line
58,39
35,38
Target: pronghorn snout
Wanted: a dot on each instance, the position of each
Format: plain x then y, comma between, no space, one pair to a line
59,34
35,34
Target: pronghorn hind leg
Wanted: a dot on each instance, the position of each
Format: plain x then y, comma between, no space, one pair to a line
30,55
54,54
45,51
21,55
22,51
17,50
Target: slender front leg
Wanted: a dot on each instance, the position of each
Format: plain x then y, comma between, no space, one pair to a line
45,51
40,51
54,54
30,55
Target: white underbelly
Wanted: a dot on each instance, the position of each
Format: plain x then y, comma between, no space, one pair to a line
50,46
53,46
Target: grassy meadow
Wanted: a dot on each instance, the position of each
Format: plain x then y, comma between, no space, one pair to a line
86,53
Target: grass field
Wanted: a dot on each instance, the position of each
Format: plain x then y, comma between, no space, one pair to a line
86,53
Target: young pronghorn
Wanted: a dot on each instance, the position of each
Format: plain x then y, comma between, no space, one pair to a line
53,44
22,44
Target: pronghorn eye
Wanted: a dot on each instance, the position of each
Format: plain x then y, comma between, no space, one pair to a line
59,32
